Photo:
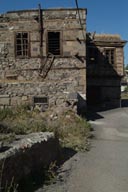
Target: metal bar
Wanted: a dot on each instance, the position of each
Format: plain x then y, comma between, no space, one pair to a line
40,26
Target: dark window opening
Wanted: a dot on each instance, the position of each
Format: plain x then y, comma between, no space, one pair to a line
22,45
40,100
92,55
11,77
109,56
54,43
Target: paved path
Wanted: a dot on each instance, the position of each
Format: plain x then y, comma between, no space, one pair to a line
105,167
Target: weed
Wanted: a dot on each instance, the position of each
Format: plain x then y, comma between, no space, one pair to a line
50,173
71,129
8,186
5,113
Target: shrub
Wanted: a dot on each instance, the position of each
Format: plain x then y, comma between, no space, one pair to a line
71,129
6,113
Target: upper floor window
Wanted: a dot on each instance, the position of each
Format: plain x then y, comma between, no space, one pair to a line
22,44
110,56
53,44
92,55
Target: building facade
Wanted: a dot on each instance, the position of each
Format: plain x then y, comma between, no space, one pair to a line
43,57
105,68
48,59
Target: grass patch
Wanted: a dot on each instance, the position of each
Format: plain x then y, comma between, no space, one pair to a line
71,129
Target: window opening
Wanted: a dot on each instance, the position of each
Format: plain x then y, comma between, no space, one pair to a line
41,103
54,43
109,56
22,44
40,100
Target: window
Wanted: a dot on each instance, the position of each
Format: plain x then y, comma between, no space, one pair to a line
40,100
92,55
110,56
41,103
54,43
22,44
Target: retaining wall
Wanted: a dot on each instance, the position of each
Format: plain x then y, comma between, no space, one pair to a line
28,154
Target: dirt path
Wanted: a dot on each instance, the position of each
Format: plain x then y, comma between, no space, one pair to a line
105,167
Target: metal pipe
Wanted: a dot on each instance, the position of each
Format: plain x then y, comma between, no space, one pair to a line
41,26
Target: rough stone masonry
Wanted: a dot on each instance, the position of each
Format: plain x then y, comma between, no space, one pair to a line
42,57
48,59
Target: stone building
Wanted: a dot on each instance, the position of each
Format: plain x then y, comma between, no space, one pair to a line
105,69
43,60
42,57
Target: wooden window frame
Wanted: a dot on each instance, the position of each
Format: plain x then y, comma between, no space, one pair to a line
23,41
109,54
60,43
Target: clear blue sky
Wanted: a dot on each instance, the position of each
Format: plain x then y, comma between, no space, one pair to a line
104,16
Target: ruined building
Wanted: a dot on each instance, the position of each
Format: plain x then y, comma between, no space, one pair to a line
43,60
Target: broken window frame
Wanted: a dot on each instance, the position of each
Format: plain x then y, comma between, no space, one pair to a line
109,54
41,101
92,55
49,49
22,44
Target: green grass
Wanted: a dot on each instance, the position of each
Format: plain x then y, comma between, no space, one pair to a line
71,129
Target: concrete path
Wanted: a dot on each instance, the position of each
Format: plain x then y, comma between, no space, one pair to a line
105,167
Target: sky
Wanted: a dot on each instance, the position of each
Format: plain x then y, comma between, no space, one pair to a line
104,16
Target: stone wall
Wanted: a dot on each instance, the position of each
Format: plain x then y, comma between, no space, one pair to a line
104,72
27,154
23,78
104,92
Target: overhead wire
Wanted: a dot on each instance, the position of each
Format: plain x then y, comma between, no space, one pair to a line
78,11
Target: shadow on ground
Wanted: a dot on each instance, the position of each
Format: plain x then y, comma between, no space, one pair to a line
37,179
66,154
93,115
93,111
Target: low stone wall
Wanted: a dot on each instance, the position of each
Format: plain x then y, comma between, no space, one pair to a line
28,154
